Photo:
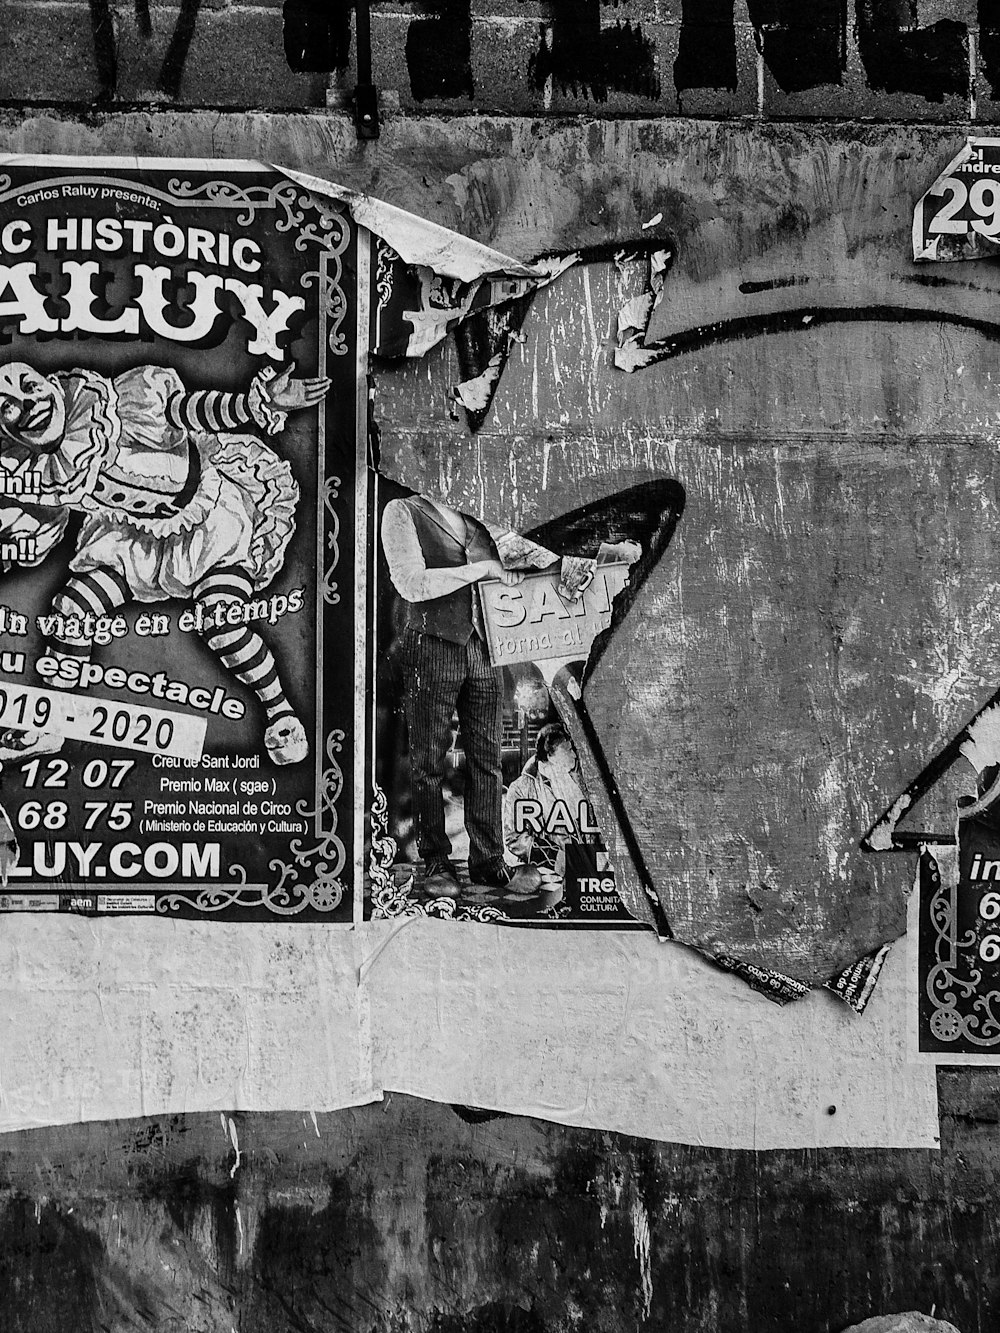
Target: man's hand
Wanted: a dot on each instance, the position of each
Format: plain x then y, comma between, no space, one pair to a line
627,551
291,395
493,569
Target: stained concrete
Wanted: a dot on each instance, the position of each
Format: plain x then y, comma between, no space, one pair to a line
407,1216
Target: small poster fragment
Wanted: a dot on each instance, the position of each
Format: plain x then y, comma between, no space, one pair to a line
959,946
959,216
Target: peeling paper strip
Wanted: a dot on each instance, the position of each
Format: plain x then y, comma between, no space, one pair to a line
476,394
421,242
727,1068
982,745
882,837
152,1017
416,240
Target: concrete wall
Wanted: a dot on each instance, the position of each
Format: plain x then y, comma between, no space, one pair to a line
411,1216
401,1215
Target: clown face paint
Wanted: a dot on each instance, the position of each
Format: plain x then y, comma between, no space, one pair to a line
32,409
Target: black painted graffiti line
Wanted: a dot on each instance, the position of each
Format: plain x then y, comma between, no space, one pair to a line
803,47
106,49
574,50
587,59
706,45
930,62
142,18
317,35
439,50
317,39
796,320
172,69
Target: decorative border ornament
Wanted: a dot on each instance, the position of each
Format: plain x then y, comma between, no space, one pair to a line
385,258
312,878
331,233
381,857
331,492
945,987
290,198
390,897
322,863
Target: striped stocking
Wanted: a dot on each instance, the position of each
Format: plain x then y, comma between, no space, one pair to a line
101,592
238,647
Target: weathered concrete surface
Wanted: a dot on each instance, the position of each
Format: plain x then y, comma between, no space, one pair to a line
406,1216
526,186
818,627
820,624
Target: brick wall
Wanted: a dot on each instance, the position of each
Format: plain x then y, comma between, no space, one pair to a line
884,59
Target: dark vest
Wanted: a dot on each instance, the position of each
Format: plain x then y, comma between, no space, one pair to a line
449,617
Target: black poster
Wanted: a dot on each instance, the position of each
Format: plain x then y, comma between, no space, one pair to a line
959,945
179,506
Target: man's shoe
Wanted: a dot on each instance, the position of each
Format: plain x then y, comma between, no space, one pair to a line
519,879
440,880
495,876
526,881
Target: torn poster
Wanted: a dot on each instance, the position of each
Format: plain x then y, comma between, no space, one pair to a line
959,216
207,587
957,948
481,810
179,446
957,952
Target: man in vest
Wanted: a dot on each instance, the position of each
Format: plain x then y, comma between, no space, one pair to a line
435,555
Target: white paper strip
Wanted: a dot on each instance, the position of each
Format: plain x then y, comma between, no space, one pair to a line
628,1034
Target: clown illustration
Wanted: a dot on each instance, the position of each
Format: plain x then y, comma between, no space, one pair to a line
178,500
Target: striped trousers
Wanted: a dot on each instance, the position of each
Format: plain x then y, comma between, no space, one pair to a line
442,678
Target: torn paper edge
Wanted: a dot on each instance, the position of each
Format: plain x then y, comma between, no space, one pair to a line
983,247
418,241
632,352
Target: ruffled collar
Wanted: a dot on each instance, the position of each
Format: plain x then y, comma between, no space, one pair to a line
93,428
